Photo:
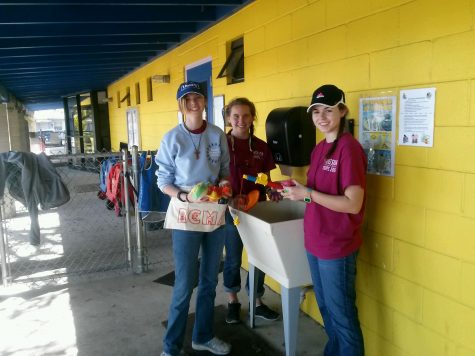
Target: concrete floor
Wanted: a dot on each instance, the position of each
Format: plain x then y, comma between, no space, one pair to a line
113,313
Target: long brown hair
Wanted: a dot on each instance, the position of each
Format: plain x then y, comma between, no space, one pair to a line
341,129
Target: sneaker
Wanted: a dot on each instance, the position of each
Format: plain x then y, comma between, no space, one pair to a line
234,312
215,346
264,312
182,353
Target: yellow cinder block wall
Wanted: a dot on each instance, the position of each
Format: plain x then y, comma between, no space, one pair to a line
416,270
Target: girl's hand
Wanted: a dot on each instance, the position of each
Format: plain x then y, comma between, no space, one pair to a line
273,195
295,192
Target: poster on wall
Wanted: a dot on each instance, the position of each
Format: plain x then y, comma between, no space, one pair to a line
416,117
218,106
377,133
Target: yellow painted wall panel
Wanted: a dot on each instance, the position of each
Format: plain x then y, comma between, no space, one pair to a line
454,57
254,41
286,6
262,64
468,287
375,316
468,205
264,10
448,114
309,305
292,55
272,85
421,20
451,234
411,156
436,189
308,20
402,221
351,73
379,187
390,290
464,351
472,103
406,65
378,5
328,45
375,345
344,11
378,250
303,82
278,32
429,269
454,149
449,318
383,34
415,339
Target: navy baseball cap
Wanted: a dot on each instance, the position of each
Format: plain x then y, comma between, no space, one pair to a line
189,87
327,95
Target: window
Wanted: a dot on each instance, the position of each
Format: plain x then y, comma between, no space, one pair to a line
149,89
127,95
133,128
233,69
137,93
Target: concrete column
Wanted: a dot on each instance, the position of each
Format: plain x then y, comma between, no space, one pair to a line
13,129
4,129
19,138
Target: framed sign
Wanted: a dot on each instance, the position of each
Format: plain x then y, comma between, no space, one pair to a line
218,111
378,132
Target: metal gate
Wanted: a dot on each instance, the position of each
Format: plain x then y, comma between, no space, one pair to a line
80,237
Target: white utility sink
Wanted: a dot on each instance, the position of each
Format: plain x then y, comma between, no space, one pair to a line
273,236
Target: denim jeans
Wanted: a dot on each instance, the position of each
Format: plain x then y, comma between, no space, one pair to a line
186,249
334,285
233,261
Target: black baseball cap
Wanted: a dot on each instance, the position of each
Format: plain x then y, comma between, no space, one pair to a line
327,95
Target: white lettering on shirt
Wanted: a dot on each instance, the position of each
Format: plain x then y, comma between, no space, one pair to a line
330,165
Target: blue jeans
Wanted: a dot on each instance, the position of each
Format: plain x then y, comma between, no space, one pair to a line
233,261
186,249
334,285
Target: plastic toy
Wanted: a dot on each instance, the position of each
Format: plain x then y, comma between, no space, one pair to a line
252,199
213,192
199,191
262,179
245,202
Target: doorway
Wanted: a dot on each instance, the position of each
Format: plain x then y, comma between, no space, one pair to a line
201,72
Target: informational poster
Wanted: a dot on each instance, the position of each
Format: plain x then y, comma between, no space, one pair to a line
416,117
378,133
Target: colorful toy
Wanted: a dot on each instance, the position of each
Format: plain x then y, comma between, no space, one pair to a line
245,202
199,191
252,199
215,193
262,179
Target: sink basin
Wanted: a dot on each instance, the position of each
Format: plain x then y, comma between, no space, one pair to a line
272,234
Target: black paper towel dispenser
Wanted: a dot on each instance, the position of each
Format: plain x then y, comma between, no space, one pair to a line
291,135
